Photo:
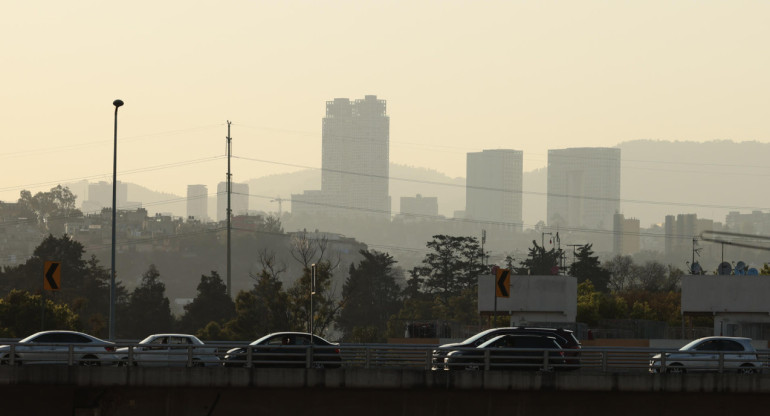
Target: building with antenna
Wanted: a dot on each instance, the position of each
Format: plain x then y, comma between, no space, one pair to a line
493,187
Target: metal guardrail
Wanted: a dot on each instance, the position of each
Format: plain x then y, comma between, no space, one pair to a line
424,357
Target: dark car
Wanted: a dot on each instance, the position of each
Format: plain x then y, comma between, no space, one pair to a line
564,337
286,349
506,352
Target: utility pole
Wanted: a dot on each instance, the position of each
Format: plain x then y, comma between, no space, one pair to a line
229,211
542,239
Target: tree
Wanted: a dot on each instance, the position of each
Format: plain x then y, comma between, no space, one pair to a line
621,270
325,308
587,267
92,301
51,209
262,310
211,304
370,297
656,277
539,261
21,314
148,310
29,276
452,265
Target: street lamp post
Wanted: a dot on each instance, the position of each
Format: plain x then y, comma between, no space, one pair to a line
312,292
117,104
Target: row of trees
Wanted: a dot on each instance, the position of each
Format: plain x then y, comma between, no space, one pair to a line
375,302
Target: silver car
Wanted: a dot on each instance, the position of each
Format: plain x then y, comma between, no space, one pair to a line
710,354
53,347
170,350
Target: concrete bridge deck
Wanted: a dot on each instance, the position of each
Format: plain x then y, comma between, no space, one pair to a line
54,390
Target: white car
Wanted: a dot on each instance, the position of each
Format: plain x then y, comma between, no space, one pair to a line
170,350
706,354
53,347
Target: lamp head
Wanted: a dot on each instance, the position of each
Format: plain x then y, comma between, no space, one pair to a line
117,103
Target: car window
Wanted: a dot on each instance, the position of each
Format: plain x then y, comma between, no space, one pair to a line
730,345
76,339
48,338
159,341
710,345
505,342
178,340
531,342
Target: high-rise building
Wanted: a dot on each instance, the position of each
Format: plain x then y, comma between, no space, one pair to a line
355,155
493,187
198,202
583,187
239,200
681,231
626,235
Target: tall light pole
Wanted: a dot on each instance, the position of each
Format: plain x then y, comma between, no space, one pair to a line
312,292
117,104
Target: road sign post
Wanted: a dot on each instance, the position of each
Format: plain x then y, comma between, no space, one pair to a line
502,288
52,276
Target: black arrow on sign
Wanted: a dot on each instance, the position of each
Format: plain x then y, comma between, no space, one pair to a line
49,276
501,282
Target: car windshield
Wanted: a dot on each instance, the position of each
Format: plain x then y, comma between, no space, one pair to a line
481,335
148,339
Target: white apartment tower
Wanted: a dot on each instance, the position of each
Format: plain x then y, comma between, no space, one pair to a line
355,156
239,200
583,187
197,202
493,187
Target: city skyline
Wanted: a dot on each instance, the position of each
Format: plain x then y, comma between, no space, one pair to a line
458,78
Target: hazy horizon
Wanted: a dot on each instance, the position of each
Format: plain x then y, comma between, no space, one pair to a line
458,77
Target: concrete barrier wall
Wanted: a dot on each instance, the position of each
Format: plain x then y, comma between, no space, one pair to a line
393,379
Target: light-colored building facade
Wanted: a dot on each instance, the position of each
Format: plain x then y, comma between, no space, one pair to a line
239,200
583,187
493,187
100,196
355,155
198,202
626,234
419,206
682,230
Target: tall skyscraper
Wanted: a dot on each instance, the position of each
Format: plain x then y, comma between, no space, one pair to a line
355,155
583,187
198,202
239,200
493,187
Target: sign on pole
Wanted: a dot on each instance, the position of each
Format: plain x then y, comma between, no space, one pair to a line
52,276
503,283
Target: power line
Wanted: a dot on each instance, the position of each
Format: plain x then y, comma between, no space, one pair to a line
545,194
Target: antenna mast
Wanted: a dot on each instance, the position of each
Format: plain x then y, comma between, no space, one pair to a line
229,210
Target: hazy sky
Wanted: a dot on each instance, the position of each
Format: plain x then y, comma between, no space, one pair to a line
458,76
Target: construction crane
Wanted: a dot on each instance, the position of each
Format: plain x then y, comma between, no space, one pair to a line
280,205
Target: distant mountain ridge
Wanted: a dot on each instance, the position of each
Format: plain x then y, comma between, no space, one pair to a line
658,178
